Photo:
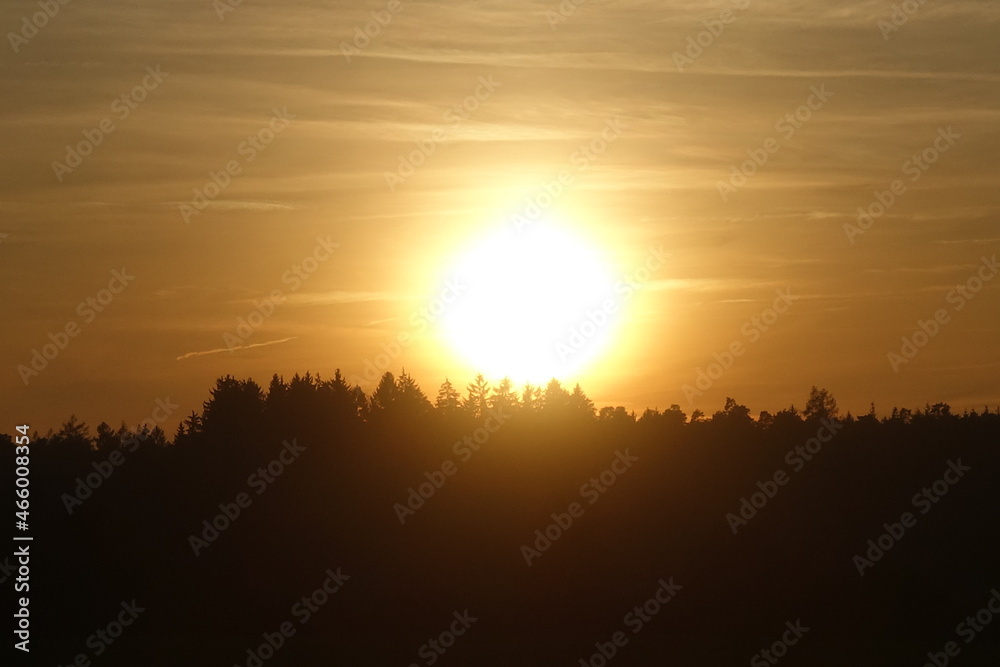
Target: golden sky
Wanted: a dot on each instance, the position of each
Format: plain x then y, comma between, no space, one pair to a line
637,113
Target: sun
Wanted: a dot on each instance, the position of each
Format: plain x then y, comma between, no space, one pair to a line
533,303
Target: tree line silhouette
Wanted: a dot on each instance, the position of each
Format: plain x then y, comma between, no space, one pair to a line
242,407
113,513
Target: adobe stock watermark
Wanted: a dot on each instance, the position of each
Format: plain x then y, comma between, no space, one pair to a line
22,617
8,569
752,329
363,35
88,310
121,109
464,449
927,329
248,150
303,611
436,647
914,168
714,28
294,276
580,160
900,16
104,637
768,489
223,7
635,619
564,10
258,481
454,116
779,649
420,319
968,629
164,408
30,26
924,500
595,320
786,126
592,490
86,486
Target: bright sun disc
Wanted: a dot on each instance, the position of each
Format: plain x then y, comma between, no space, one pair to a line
533,305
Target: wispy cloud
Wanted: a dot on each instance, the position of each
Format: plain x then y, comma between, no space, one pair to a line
237,205
233,349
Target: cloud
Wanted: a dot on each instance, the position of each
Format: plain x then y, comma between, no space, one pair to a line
334,297
237,205
233,349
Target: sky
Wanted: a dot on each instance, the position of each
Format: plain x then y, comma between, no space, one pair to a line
185,165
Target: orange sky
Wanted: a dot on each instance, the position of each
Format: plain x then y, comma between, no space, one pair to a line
213,158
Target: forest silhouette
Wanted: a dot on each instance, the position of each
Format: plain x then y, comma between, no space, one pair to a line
417,509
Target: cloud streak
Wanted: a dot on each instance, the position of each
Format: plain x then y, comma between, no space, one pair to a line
233,349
